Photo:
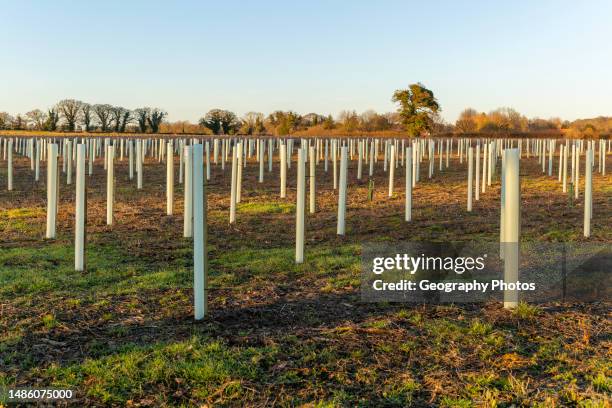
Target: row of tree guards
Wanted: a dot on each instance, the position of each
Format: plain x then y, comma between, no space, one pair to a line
196,157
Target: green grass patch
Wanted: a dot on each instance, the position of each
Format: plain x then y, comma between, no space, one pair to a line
209,368
50,268
241,265
265,208
23,220
525,311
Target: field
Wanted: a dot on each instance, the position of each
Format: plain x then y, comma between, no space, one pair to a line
122,332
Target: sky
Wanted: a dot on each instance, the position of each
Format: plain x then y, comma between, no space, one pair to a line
542,58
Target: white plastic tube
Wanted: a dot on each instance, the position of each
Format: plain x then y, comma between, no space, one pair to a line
233,185
283,170
359,159
200,264
341,227
371,170
10,165
408,166
139,160
477,173
207,154
110,184
391,170
240,151
485,154
335,162
188,205
512,228
80,210
588,193
169,179
37,161
52,190
300,208
470,178
311,178
68,158
261,152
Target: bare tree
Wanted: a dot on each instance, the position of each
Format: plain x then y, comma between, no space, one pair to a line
439,125
349,120
69,109
103,114
86,116
252,123
5,120
117,117
155,119
19,122
367,120
125,119
141,117
37,118
466,123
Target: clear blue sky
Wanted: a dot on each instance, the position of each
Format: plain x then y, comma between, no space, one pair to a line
543,58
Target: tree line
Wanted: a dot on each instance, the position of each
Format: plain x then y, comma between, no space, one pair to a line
418,113
508,120
504,120
73,115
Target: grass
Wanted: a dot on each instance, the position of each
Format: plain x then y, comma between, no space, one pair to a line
602,383
36,271
121,333
21,220
265,208
49,321
377,357
526,311
156,373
